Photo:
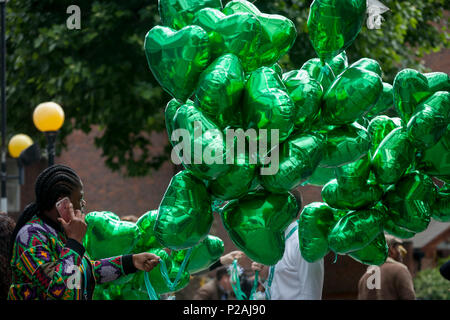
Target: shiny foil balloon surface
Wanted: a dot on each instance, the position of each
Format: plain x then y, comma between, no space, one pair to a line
278,32
384,102
345,144
334,24
146,224
267,104
299,156
379,127
375,253
440,210
392,157
306,93
256,224
321,72
237,182
438,81
409,201
354,174
351,196
108,236
177,14
184,215
369,65
355,230
203,255
314,224
220,89
321,176
169,114
239,34
435,161
410,88
177,58
204,148
351,96
339,63
430,121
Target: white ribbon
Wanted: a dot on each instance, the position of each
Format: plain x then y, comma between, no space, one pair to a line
374,9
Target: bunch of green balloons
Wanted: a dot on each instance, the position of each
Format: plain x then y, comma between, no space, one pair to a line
219,63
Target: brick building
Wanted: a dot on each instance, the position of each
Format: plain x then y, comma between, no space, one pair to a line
105,190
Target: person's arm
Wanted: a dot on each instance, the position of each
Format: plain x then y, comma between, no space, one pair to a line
58,278
224,260
404,285
262,269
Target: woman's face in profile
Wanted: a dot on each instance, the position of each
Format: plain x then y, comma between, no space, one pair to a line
77,199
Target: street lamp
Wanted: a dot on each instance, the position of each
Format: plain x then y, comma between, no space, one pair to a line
48,117
17,146
4,201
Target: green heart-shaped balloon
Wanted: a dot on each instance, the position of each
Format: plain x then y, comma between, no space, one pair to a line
368,65
430,121
256,224
219,90
177,14
351,96
169,114
176,58
409,201
435,161
379,127
323,73
314,224
345,144
390,227
267,104
239,34
392,157
375,253
351,197
146,224
440,210
334,24
354,174
184,215
321,176
299,156
306,93
278,32
410,88
339,63
202,256
355,230
438,81
108,236
384,102
202,145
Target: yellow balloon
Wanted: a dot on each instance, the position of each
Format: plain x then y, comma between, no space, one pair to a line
48,116
18,143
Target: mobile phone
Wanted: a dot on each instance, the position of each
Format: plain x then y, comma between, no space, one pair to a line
63,207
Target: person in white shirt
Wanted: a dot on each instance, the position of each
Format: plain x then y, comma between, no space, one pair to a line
293,278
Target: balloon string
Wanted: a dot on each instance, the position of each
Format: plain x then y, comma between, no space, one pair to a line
172,285
335,257
255,285
150,290
236,284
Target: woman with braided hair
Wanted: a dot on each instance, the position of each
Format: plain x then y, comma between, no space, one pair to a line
48,260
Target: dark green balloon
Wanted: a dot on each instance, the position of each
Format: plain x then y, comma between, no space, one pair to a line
345,144
351,96
203,255
321,176
354,174
409,201
351,196
177,58
256,224
355,230
169,114
410,88
239,34
334,24
306,93
299,156
379,127
339,63
392,157
375,253
208,141
277,68
220,88
108,236
384,102
438,81
180,13
184,215
430,121
267,104
146,224
369,65
320,72
278,32
314,224
440,210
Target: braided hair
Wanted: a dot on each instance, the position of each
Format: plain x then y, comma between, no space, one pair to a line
53,183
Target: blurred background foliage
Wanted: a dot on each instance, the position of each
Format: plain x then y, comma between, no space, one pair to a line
429,284
100,76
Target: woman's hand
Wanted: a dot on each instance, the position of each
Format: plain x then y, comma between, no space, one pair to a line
145,261
76,227
228,258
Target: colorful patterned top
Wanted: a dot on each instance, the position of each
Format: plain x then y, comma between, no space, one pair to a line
47,265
